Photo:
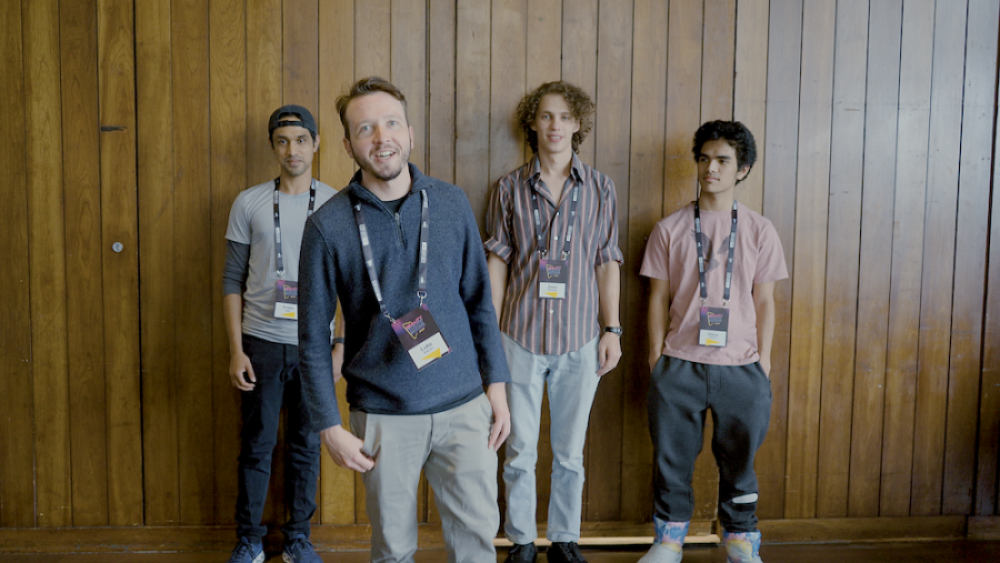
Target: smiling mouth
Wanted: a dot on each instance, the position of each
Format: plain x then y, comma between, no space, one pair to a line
384,154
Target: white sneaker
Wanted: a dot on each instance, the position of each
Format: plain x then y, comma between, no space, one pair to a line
662,553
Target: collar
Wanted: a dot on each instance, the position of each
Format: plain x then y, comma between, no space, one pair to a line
535,168
419,182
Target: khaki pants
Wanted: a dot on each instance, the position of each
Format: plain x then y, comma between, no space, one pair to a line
452,448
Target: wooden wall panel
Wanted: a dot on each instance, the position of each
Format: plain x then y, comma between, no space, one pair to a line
881,120
143,120
907,241
156,231
17,492
117,76
842,254
809,274
779,138
88,409
970,257
939,252
47,262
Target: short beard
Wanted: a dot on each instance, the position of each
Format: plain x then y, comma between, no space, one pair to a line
367,167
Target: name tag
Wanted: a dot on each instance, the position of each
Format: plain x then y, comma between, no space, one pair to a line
553,276
714,327
420,337
286,300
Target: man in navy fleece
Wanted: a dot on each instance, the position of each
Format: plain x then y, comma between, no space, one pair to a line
402,252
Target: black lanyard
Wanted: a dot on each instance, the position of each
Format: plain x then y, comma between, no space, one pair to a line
543,243
277,219
701,257
366,249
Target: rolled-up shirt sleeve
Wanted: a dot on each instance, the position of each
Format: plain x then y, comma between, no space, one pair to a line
608,224
498,221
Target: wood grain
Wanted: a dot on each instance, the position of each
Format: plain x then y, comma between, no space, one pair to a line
842,254
472,88
47,263
17,491
750,90
85,346
781,136
881,120
117,76
579,55
939,252
978,115
264,89
156,221
372,47
907,239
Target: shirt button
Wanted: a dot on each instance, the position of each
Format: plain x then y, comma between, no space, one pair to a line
552,310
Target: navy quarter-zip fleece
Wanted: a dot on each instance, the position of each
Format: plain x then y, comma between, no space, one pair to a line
381,377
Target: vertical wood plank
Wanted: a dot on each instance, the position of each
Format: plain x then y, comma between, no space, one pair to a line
472,101
809,272
228,103
750,90
645,200
409,69
611,141
508,59
939,254
17,492
300,57
978,115
156,231
85,348
191,264
988,446
684,41
336,63
579,54
264,90
47,262
881,118
781,136
371,51
441,97
718,59
842,254
121,284
904,288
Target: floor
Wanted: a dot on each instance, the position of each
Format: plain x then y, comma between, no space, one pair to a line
916,552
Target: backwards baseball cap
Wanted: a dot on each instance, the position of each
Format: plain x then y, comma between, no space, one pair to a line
302,113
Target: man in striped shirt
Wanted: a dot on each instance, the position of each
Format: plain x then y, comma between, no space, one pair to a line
554,266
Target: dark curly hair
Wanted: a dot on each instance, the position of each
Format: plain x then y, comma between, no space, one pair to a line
579,104
363,87
734,133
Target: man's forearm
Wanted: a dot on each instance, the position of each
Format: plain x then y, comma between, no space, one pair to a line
232,311
498,281
765,327
609,290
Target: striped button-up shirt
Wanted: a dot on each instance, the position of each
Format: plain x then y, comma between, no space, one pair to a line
552,326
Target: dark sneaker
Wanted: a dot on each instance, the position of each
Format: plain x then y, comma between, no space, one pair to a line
298,549
247,552
522,553
564,552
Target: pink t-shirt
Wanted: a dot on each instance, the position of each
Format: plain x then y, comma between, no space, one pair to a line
672,254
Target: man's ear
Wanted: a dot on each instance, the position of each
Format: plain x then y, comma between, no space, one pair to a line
347,147
742,173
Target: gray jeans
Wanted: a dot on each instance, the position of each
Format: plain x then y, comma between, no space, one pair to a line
680,393
452,447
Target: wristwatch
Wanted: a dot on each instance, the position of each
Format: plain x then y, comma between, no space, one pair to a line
614,330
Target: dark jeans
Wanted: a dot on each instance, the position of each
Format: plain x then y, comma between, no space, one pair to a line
276,367
680,393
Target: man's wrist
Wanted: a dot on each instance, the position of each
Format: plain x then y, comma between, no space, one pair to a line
616,330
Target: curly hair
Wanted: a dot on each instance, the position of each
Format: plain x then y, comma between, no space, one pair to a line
734,133
579,104
363,87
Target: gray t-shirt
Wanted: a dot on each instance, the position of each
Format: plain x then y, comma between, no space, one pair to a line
251,221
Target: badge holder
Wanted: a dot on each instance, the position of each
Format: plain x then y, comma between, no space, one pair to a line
552,278
286,300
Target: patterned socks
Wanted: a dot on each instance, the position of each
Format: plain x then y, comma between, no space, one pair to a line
742,547
669,542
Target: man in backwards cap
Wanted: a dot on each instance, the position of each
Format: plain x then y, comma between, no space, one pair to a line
260,303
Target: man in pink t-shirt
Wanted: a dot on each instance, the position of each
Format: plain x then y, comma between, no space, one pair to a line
712,267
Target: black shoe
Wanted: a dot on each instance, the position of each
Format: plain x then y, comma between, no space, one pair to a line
522,553
564,552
